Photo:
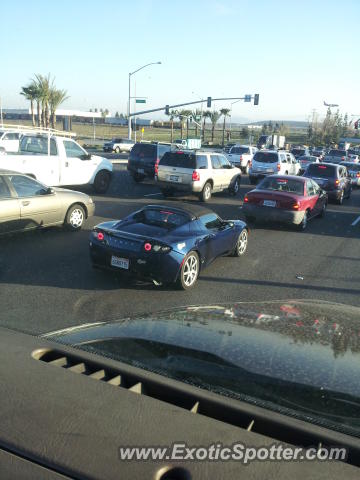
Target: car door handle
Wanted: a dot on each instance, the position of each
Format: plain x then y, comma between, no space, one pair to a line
25,203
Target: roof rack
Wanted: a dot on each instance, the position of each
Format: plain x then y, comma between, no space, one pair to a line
37,130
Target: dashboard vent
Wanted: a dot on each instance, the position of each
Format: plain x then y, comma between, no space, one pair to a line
197,401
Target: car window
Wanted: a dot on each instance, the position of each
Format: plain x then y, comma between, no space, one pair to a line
162,218
318,170
11,136
317,189
25,186
73,150
266,157
282,184
37,145
211,221
283,158
215,162
310,188
163,149
201,162
223,161
4,189
143,150
179,159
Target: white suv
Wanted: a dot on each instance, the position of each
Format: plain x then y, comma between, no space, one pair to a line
268,162
197,171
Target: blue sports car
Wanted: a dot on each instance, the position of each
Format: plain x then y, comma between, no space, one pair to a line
167,244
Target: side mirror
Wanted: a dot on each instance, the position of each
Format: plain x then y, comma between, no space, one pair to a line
231,224
49,191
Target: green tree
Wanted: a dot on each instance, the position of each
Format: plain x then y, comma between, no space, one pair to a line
214,118
44,85
56,98
172,115
206,114
225,113
30,92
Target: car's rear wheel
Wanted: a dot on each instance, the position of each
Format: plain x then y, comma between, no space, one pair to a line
303,224
189,271
206,192
102,181
137,177
241,244
235,188
341,198
323,210
75,218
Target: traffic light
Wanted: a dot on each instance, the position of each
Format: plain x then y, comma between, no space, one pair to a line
167,110
356,124
256,99
208,102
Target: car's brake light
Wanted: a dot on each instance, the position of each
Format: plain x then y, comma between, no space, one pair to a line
100,236
358,174
278,167
342,158
246,199
337,181
157,165
296,206
147,247
195,176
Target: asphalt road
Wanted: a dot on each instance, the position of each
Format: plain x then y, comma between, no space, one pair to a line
47,283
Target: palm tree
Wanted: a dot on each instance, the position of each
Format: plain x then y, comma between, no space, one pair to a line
172,115
44,85
56,97
205,115
196,113
187,114
180,116
214,117
225,112
30,93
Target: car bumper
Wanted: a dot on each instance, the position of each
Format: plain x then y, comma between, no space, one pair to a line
141,170
260,175
180,187
333,194
90,207
272,214
162,267
108,149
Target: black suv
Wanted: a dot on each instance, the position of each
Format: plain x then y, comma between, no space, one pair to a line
334,179
143,158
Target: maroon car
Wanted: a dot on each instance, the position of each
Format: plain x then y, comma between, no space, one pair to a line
285,198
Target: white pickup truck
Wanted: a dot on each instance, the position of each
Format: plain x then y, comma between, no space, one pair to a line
55,160
241,156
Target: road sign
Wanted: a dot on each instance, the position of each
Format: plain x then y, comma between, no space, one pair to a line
247,98
139,100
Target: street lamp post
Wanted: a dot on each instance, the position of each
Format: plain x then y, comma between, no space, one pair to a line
129,108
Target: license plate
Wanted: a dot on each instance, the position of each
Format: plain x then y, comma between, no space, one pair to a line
174,178
269,203
120,262
140,170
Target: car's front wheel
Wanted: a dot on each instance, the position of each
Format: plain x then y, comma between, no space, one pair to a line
189,271
241,244
75,218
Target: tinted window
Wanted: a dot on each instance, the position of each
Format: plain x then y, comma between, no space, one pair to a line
211,221
163,149
4,189
26,187
337,153
281,184
317,170
201,162
352,166
265,157
179,159
143,150
298,151
162,218
239,150
215,161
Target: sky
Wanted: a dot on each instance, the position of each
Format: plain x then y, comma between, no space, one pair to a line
295,54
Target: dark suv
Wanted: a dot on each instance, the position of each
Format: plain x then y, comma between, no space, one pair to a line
143,158
334,179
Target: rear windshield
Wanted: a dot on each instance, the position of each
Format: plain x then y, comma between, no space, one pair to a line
239,150
337,153
143,149
351,166
161,218
266,157
316,170
181,160
298,151
282,185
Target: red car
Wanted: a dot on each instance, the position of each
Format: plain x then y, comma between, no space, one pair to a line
286,199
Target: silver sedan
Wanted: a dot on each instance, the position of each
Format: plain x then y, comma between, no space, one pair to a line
27,204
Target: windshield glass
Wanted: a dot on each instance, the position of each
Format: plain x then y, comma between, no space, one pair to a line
162,218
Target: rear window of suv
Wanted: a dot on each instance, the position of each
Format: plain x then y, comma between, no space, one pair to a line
184,160
239,150
316,170
143,149
266,157
337,153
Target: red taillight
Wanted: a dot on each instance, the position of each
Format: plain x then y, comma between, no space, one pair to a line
241,158
342,158
322,166
337,181
157,165
296,206
147,247
358,174
195,176
246,199
278,167
250,164
100,236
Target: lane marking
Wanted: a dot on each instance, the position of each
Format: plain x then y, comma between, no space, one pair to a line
355,221
152,194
